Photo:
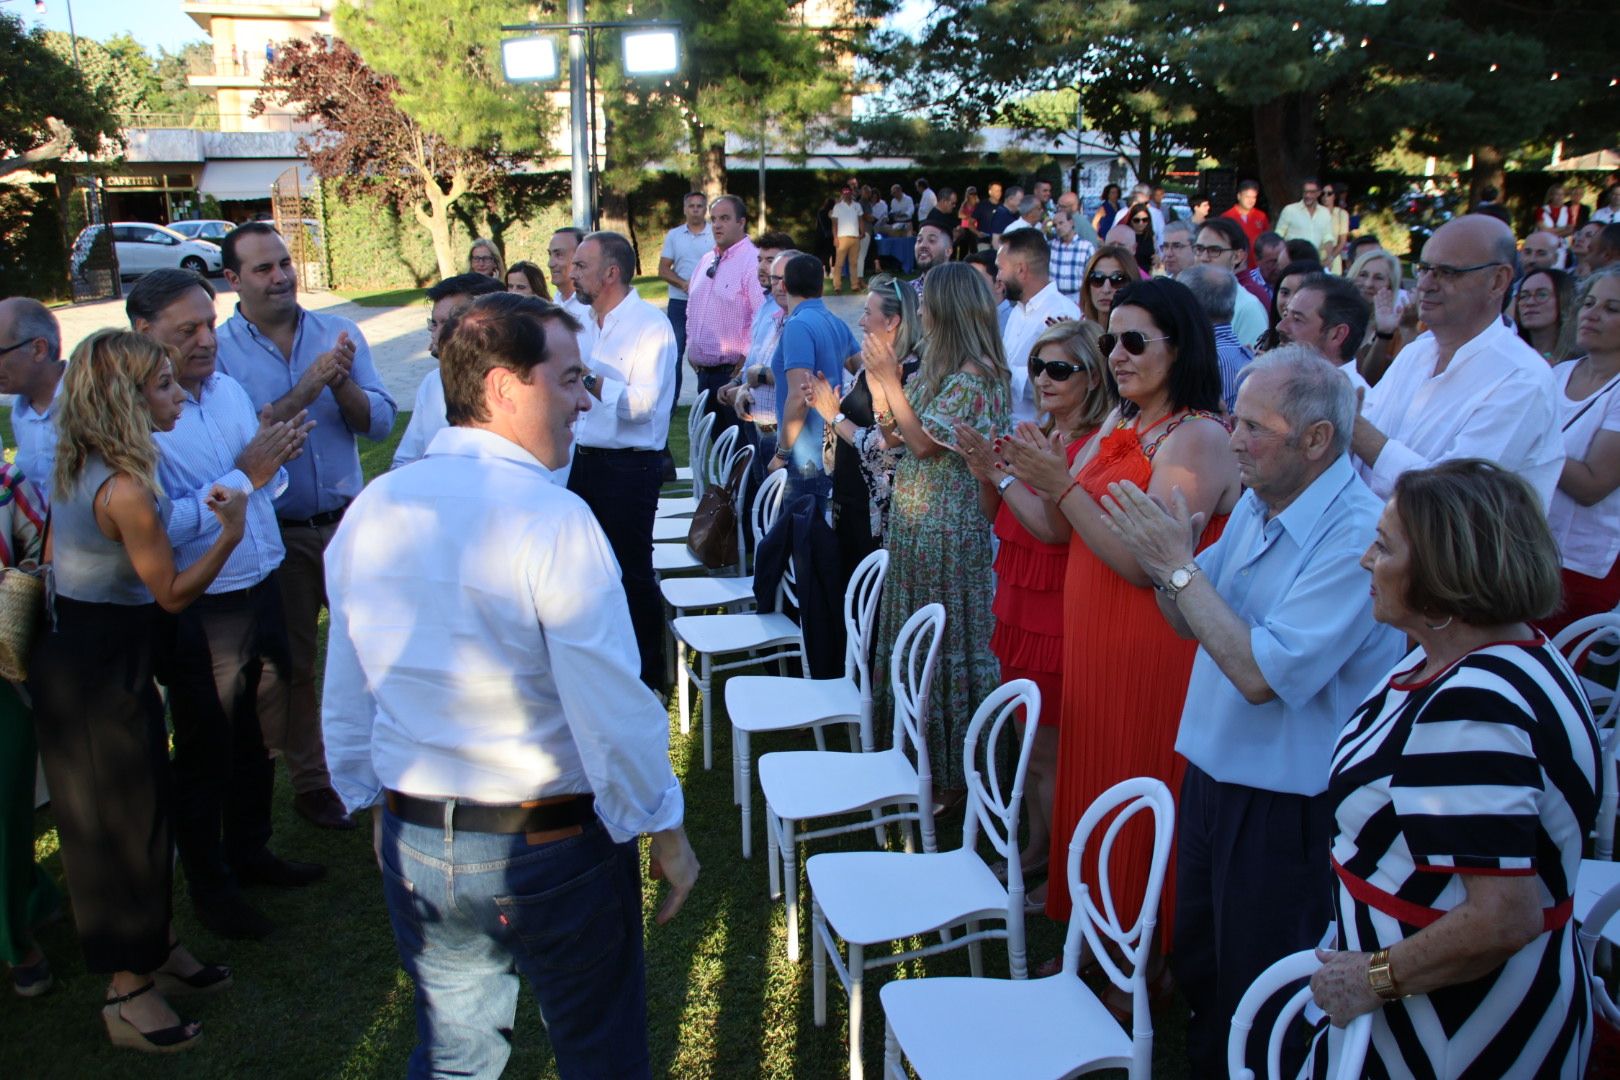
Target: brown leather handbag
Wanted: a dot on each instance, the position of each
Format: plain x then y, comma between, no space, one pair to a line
712,539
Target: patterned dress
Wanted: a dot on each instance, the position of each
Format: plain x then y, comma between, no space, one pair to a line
939,551
1489,767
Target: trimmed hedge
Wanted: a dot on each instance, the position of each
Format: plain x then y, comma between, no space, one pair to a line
35,260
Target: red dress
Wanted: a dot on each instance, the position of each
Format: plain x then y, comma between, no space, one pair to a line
1028,638
1125,679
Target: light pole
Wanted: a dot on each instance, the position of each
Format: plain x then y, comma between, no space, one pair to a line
654,50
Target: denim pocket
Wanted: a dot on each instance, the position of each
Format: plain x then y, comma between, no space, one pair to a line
408,911
573,926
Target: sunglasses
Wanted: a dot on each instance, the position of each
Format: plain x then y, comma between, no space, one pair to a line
1059,370
1116,279
1134,341
1140,220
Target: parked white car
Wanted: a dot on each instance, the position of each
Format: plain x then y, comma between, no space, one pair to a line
143,247
211,230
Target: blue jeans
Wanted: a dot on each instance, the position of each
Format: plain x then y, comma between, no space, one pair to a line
472,912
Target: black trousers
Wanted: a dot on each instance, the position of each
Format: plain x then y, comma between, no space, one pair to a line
1253,884
101,739
216,656
621,488
712,379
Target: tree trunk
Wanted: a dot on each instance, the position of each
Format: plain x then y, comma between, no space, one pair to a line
436,219
712,163
1144,155
1488,172
1285,143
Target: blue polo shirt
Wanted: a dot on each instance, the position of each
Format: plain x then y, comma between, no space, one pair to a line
812,338
1297,580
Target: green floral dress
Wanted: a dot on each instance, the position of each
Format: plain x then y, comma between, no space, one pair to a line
939,551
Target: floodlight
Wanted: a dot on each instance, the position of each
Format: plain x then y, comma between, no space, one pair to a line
651,52
531,59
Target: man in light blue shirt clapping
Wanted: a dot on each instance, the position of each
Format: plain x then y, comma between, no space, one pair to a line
1288,648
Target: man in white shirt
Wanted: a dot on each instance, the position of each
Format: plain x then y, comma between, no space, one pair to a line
1307,219
902,211
619,444
683,246
926,199
481,699
449,298
846,216
1469,388
560,264
1329,314
31,367
1023,268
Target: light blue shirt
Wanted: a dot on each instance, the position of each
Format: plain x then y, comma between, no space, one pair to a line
201,452
1297,580
36,442
327,474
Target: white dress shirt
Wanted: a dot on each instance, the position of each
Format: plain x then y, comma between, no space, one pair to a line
427,419
1250,320
1495,400
481,646
1025,325
633,350
926,203
35,433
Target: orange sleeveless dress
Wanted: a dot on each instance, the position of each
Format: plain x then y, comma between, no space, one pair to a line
1124,682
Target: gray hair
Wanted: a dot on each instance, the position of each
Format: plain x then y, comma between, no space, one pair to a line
34,320
1178,225
1315,389
1031,202
1215,288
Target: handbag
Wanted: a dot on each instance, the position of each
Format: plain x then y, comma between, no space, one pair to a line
22,605
712,538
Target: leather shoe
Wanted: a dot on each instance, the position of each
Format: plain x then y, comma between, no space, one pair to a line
233,917
323,808
283,873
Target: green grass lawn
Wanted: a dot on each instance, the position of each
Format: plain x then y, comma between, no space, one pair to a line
653,289
324,996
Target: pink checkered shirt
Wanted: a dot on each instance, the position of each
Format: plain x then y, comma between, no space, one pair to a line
720,309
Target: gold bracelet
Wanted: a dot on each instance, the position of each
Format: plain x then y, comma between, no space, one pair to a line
1381,979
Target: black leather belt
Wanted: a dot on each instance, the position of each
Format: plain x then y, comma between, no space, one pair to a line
604,451
329,517
541,819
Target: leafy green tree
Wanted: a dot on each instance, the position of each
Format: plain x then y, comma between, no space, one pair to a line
115,67
170,94
47,107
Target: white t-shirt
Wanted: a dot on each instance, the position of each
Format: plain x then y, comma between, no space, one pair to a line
684,248
1588,536
846,218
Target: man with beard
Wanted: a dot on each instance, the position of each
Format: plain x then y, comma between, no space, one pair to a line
933,247
1023,266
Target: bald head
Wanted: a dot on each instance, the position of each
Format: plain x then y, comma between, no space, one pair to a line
1541,249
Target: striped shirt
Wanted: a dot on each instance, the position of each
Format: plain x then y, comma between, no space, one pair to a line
1489,767
1231,356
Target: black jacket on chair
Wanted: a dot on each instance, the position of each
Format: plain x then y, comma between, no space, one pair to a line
804,536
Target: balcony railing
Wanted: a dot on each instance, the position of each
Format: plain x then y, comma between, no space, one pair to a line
239,66
213,121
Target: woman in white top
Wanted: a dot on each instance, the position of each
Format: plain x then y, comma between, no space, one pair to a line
1585,511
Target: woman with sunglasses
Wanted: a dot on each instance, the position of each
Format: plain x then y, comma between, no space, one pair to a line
1125,671
1073,396
939,549
860,462
1110,270
1544,312
1140,219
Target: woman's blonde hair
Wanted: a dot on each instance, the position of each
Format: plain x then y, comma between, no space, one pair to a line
964,329
1127,266
899,300
488,245
103,409
1481,550
1078,340
1392,267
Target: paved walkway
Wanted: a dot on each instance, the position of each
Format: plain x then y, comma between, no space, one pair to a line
397,335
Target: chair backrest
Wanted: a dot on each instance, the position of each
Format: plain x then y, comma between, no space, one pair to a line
1590,935
1347,1049
911,673
1129,797
1594,642
988,808
701,444
720,452
768,505
700,408
861,598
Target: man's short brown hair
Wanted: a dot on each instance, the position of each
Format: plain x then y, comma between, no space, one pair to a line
501,330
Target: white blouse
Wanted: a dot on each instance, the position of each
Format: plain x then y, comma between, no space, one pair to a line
1588,536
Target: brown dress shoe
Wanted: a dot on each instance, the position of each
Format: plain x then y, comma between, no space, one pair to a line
323,808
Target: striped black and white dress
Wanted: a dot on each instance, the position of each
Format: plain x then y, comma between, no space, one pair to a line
1489,767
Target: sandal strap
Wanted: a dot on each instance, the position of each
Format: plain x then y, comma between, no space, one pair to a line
132,995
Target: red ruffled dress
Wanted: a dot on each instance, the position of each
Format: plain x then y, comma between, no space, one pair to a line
1028,638
1125,679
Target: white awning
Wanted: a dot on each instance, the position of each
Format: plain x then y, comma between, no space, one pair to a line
250,179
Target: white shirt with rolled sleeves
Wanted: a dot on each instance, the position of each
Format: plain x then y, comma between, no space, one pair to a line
481,646
1025,325
1495,400
633,350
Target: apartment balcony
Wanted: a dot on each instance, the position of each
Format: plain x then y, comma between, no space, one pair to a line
202,12
240,72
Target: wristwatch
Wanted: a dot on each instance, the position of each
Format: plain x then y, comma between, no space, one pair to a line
1180,578
1004,483
1381,978
838,418
591,380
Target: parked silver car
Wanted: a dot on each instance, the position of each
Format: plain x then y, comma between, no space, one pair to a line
143,247
212,230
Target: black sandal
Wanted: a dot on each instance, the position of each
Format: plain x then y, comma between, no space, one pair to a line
169,1040
205,980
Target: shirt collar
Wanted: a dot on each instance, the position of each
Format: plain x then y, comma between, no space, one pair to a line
1301,515
253,328
1225,335
28,410
478,443
617,309
807,305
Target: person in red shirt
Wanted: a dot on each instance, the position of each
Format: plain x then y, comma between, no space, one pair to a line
1253,220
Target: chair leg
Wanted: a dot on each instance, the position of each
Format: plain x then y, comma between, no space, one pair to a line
857,977
704,666
739,753
790,885
683,693
975,952
880,831
820,737
910,838
818,964
891,1053
854,738
1017,948
773,853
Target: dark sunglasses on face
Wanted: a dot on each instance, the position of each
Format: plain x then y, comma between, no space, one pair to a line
1134,341
1139,221
1116,279
1059,370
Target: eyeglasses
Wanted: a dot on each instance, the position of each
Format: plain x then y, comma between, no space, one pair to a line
1135,342
1177,245
1445,274
1116,279
1059,370
1540,296
20,344
1211,249
774,278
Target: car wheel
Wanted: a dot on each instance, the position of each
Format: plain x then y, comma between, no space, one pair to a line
194,264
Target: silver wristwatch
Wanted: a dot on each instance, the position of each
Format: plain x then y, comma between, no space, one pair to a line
1004,483
838,418
1180,578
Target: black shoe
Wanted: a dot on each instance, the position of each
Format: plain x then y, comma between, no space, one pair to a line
271,869
323,808
233,917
